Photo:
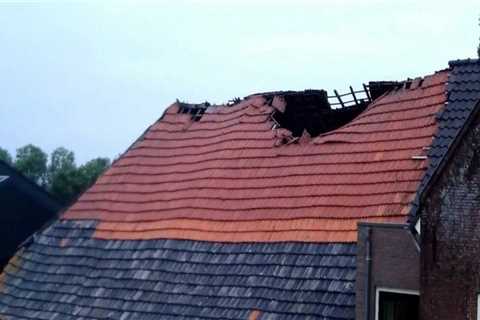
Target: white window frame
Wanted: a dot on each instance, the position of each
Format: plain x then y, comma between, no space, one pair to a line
418,226
478,306
399,291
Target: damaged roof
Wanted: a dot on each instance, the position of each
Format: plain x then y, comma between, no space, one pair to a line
233,175
242,211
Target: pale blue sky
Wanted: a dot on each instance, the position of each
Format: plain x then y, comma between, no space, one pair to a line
92,75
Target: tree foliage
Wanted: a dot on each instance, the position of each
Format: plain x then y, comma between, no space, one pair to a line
90,171
59,173
63,177
5,156
32,162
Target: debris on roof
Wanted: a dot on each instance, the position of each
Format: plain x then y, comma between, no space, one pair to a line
379,88
254,315
195,110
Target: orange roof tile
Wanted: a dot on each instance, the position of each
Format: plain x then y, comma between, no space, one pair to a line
227,178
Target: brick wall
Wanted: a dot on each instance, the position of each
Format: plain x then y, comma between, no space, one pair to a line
450,262
395,262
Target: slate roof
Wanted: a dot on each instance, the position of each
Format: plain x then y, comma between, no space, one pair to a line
463,93
223,215
68,274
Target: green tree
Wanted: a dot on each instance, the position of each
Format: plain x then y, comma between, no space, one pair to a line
32,162
60,176
5,156
90,171
67,181
63,176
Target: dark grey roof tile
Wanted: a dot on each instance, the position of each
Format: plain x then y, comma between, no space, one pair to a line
66,274
463,92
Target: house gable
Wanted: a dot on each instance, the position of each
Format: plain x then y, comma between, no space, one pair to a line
25,207
450,218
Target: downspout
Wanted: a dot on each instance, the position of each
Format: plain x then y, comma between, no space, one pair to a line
368,264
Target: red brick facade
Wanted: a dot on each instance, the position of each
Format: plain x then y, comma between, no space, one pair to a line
394,265
450,261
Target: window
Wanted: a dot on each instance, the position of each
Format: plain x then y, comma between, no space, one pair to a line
392,304
478,306
418,226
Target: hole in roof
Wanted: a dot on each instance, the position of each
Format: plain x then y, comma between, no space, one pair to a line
379,88
311,111
316,113
195,110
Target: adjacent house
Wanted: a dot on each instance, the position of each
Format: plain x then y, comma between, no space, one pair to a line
449,214
282,205
25,207
430,264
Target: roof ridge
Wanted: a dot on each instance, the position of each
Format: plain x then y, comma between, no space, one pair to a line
459,62
281,92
